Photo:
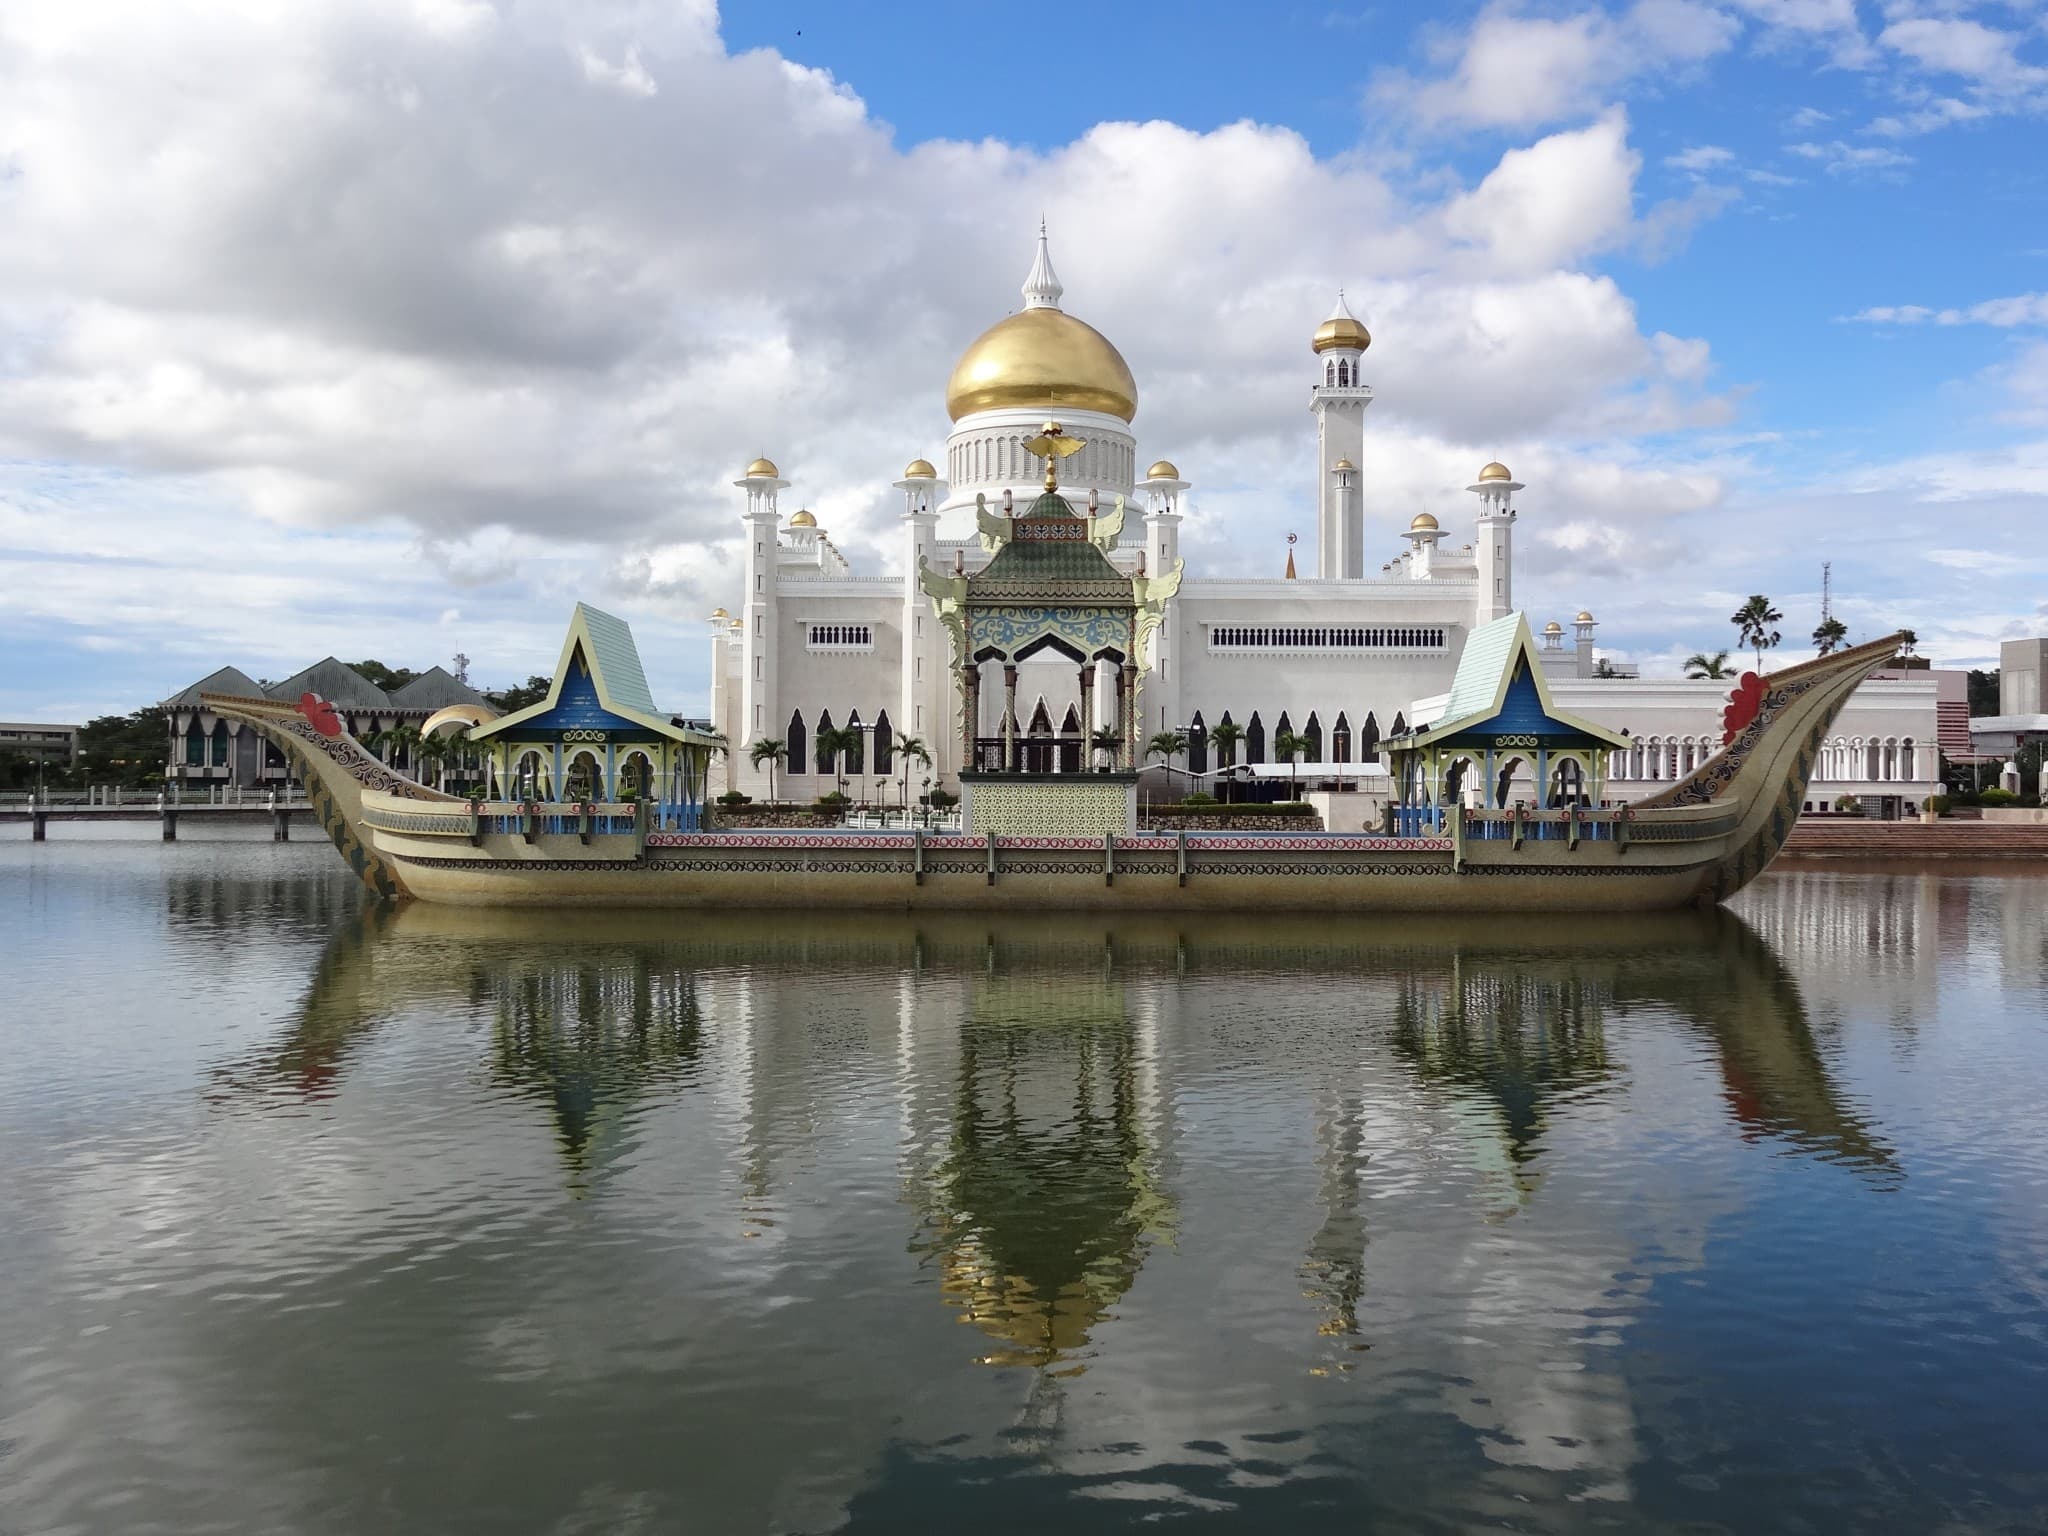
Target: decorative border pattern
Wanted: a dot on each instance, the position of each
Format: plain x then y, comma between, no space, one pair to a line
947,842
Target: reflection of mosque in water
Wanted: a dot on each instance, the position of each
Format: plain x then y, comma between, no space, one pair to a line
1031,1088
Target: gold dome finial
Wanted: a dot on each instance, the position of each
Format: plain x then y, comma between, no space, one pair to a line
803,519
1164,469
1553,628
1494,471
1342,332
1585,616
919,469
763,469
1053,444
1422,522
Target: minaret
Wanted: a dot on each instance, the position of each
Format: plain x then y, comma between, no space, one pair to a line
757,716
1495,545
1423,534
1582,634
1162,490
925,656
1339,399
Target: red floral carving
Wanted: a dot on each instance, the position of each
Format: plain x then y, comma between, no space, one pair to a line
321,713
1743,705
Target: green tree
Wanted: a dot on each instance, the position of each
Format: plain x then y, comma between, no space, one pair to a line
530,692
431,752
1908,641
1288,746
1829,634
1104,738
390,679
835,743
1700,664
770,750
128,750
1224,737
1167,744
1756,622
908,747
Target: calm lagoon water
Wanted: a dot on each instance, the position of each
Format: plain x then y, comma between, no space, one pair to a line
317,1217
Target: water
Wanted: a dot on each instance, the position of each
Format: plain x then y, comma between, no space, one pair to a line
319,1218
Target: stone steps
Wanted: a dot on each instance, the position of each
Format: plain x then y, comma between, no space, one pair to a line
1912,839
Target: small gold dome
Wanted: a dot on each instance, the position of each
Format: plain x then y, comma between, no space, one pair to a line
1495,471
1043,358
1422,520
763,469
1553,628
1585,617
1163,470
1347,464
1341,333
919,469
720,613
803,519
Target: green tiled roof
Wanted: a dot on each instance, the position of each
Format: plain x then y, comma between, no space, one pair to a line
1046,560
617,659
1487,650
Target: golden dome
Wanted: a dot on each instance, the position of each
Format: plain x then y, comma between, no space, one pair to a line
1585,617
763,469
1347,464
1494,471
1341,333
1553,628
1046,359
1424,521
803,519
1163,470
720,613
919,469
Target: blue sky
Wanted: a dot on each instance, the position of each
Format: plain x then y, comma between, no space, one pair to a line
393,327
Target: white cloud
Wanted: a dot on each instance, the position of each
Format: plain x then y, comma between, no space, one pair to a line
1955,45
1554,202
1701,158
1844,159
1810,117
1513,70
2019,309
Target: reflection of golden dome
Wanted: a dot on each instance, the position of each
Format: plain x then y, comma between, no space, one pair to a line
1043,358
1163,470
1553,628
919,469
763,469
803,520
1342,332
1422,520
1495,471
1585,616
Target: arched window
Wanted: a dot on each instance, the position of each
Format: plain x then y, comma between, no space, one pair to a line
1284,728
1314,733
824,758
220,744
1340,740
797,742
1330,373
1369,740
1255,739
885,746
856,755
195,744
1198,745
1400,723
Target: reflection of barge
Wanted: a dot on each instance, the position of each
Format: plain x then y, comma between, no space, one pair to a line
1697,842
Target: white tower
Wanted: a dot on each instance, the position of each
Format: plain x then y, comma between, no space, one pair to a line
1422,536
757,717
1582,635
925,656
1495,545
1339,399
1162,490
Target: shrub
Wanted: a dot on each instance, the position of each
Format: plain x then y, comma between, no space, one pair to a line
1997,797
733,797
1935,803
1849,805
1200,799
942,799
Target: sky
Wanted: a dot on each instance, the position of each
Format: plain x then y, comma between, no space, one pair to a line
393,328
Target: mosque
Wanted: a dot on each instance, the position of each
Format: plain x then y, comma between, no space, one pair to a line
1337,656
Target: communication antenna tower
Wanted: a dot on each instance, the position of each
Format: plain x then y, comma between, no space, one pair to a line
1827,574
462,669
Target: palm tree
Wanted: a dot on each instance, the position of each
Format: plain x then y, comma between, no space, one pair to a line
770,750
432,751
1167,744
1754,622
1224,737
835,744
1104,738
908,747
1289,745
1829,634
1700,664
1907,641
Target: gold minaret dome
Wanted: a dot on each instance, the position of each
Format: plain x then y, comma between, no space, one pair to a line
1553,628
763,469
1042,357
1344,464
1585,617
1422,520
1495,471
803,519
1342,332
1163,470
919,469
720,613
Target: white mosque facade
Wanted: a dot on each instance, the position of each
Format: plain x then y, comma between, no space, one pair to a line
1343,654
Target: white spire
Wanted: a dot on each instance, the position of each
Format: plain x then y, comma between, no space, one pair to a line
1042,288
1342,311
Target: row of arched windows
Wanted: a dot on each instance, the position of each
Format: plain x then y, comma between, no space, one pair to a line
1341,744
1881,760
1341,374
1324,637
805,749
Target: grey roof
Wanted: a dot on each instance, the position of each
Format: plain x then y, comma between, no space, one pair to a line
335,681
617,660
435,688
227,680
